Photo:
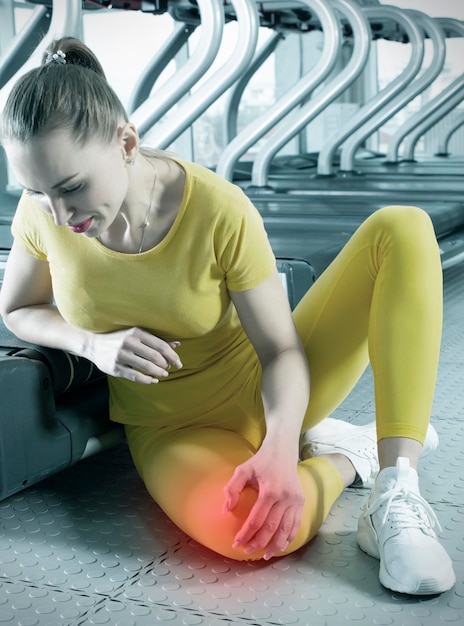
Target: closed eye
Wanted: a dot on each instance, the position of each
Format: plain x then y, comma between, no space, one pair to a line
72,190
31,192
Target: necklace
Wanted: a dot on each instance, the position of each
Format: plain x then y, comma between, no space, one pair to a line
146,221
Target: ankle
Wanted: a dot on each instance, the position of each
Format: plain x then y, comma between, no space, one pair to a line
391,448
401,475
343,465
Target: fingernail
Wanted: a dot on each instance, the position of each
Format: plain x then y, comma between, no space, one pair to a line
249,549
268,556
178,364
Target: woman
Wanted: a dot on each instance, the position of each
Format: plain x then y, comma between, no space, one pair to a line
161,273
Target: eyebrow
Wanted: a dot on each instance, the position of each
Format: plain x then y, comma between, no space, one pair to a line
64,181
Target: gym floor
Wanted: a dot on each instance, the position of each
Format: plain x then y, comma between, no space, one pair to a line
88,546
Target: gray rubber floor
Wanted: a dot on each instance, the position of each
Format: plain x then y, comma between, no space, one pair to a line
88,546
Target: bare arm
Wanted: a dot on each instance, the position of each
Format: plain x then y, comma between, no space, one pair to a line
26,305
266,317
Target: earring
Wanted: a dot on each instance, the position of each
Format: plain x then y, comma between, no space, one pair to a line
131,162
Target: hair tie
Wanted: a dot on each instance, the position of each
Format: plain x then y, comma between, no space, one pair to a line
57,57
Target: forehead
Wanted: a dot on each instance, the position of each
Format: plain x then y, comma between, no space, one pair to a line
38,164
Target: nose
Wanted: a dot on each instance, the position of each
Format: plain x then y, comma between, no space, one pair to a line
60,211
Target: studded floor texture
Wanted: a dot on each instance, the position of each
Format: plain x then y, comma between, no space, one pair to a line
88,546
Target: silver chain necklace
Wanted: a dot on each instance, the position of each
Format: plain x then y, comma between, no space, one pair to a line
146,221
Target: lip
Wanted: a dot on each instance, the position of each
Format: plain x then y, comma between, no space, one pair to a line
82,227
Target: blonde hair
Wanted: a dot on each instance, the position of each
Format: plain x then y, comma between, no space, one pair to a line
73,95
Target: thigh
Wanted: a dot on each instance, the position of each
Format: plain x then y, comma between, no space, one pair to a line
332,320
186,474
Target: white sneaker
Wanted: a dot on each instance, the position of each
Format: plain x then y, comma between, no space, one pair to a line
357,443
397,527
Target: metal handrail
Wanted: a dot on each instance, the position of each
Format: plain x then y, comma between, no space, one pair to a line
434,31
439,106
435,110
190,109
158,63
451,26
448,132
298,119
236,91
159,103
12,54
350,146
66,20
295,95
376,104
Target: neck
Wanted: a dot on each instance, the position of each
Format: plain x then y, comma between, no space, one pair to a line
128,231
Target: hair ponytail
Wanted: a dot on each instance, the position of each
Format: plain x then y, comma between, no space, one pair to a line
75,53
70,94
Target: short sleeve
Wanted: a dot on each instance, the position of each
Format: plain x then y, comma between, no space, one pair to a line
26,229
247,258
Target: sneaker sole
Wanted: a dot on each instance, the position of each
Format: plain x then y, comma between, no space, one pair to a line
426,587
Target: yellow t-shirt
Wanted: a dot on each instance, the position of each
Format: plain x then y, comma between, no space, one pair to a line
178,290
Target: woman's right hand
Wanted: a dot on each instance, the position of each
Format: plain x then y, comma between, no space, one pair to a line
134,354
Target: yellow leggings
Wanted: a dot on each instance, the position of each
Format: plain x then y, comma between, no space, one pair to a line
379,300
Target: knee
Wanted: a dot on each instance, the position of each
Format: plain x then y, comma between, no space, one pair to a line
207,523
205,520
405,221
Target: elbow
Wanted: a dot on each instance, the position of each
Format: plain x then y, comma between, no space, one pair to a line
3,311
9,316
15,323
5,308
6,316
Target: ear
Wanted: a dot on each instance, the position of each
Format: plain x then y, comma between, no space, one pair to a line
129,141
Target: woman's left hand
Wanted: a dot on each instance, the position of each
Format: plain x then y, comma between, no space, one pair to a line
274,520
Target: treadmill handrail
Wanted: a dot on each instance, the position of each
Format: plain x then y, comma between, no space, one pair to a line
325,165
235,93
415,87
211,31
66,20
158,64
300,90
448,132
191,108
298,119
452,27
433,29
432,113
10,56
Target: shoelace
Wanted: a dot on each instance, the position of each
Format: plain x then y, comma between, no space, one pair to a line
409,509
